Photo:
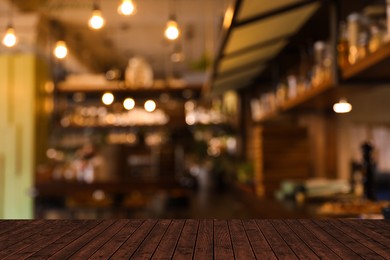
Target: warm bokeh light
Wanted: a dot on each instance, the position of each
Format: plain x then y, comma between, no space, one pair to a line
9,39
342,106
129,103
172,30
126,7
60,50
150,105
107,98
96,21
228,17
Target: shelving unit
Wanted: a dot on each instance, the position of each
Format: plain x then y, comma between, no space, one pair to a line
374,66
253,64
371,67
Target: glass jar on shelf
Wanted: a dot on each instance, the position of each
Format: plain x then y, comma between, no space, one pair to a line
353,28
362,47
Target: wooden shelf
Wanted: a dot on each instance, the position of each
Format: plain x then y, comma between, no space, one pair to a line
297,101
374,66
121,87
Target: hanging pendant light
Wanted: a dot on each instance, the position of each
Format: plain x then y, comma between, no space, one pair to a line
342,106
108,98
9,39
172,29
60,50
127,8
128,103
96,21
150,105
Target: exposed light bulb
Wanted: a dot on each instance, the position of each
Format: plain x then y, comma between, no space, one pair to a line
150,105
172,31
60,51
107,98
129,103
96,21
9,39
126,7
342,106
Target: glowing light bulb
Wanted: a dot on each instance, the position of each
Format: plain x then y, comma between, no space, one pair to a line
172,30
342,106
150,105
96,21
107,98
129,103
9,39
60,51
126,7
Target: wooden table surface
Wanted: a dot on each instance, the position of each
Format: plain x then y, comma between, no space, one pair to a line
198,239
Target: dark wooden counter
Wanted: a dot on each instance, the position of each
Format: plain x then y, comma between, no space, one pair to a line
198,239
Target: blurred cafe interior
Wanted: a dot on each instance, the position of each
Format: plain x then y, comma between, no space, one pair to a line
194,109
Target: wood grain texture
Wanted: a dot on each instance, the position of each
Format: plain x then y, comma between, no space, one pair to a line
348,241
168,243
241,246
222,242
277,243
77,230
82,241
186,246
293,241
311,240
149,245
128,248
204,248
111,246
259,243
48,233
195,239
380,249
336,246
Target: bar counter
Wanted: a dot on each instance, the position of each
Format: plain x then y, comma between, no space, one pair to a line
197,239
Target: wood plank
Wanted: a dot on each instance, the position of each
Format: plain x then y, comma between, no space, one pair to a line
222,242
22,233
169,241
45,236
362,238
115,242
259,244
186,245
7,226
293,241
89,249
370,230
78,228
34,242
348,241
128,248
149,245
380,226
367,62
241,246
204,242
278,245
311,240
329,241
81,241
